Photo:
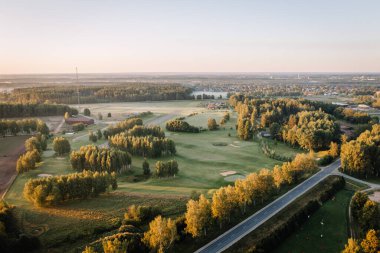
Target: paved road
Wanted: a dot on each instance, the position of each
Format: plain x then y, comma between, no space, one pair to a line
251,223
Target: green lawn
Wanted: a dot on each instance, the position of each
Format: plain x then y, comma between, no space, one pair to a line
315,237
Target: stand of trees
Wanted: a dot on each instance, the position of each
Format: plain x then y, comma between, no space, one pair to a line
143,146
26,126
362,156
352,116
161,235
166,169
311,130
53,190
181,126
139,131
122,126
61,145
33,146
13,110
129,92
366,214
93,158
256,187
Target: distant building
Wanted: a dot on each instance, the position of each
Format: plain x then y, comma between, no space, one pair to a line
79,119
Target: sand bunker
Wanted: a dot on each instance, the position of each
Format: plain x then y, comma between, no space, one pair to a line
232,145
45,175
233,178
228,173
375,197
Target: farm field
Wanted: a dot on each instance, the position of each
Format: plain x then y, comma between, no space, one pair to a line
201,157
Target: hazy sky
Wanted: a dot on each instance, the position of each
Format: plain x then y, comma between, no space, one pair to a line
189,36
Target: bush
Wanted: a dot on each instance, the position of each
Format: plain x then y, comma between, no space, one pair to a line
86,112
78,127
327,159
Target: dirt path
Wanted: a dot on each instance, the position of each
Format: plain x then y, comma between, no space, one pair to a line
59,126
159,120
8,168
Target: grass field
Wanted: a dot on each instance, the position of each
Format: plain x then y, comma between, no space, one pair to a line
201,157
334,216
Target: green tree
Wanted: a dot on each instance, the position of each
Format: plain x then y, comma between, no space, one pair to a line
145,167
99,134
87,112
274,130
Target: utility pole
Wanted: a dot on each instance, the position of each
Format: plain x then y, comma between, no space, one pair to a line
76,71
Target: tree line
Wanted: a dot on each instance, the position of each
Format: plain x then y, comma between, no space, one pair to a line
255,188
49,191
143,145
352,116
181,126
94,158
128,92
361,157
25,126
13,110
122,126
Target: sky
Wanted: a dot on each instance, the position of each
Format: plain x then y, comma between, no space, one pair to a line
99,36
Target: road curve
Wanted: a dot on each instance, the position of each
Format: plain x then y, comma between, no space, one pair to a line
251,223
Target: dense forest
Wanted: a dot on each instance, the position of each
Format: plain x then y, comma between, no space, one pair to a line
13,110
129,92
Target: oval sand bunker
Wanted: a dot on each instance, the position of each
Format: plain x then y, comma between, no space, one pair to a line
233,178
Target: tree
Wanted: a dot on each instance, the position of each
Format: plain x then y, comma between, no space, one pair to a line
145,167
334,149
211,124
221,207
369,218
371,242
109,115
352,246
92,137
86,112
67,115
161,234
198,216
89,249
357,203
61,145
274,130
99,134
